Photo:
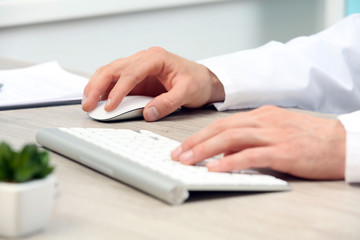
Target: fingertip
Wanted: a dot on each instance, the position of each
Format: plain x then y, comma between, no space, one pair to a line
108,106
161,106
90,100
151,114
111,104
175,154
86,104
187,157
83,103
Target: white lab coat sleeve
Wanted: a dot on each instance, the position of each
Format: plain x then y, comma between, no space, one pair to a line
351,122
319,72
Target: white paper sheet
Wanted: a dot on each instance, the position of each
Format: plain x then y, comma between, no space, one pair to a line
45,84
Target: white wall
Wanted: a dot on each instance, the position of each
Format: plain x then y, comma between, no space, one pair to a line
194,31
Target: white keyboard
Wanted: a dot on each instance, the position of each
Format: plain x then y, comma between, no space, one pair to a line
142,160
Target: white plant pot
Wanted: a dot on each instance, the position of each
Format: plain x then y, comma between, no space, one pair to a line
25,208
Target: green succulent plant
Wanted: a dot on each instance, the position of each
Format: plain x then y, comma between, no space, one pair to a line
28,164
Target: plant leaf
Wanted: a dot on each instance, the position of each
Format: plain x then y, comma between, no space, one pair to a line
28,164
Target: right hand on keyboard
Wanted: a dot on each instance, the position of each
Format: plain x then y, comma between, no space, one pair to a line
172,80
286,141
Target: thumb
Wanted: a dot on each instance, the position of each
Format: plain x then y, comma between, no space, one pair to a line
163,105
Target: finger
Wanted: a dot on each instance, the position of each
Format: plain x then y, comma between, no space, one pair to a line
164,104
103,80
258,157
100,84
239,120
105,95
231,140
146,65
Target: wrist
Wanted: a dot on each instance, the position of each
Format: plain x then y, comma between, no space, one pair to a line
217,89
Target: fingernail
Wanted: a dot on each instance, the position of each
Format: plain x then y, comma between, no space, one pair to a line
83,101
152,114
186,157
213,164
176,153
107,105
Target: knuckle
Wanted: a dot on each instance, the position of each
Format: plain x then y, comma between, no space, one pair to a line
141,52
230,135
137,55
229,139
158,53
219,124
156,50
129,74
102,69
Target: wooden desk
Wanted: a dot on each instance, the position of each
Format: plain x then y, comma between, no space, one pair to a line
93,206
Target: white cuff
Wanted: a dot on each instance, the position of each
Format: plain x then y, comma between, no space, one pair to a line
351,122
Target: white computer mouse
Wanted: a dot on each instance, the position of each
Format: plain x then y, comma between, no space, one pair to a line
131,107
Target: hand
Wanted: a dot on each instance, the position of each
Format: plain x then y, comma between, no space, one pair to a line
285,141
172,80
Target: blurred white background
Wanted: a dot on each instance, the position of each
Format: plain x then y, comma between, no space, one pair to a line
85,34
